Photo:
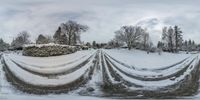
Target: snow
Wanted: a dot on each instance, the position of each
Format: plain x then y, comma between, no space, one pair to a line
47,97
95,82
46,81
155,72
5,86
107,71
47,65
51,61
132,63
44,45
142,60
157,84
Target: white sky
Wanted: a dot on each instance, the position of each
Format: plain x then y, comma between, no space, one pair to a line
102,16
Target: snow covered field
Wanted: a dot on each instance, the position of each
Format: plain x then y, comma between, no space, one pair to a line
114,73
140,59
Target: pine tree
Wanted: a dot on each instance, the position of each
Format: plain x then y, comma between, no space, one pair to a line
186,45
190,45
168,38
94,44
88,44
42,40
160,45
145,40
178,38
172,38
193,45
59,37
3,46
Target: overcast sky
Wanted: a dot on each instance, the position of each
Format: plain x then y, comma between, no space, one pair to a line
102,16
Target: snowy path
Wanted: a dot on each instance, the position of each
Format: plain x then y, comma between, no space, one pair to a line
110,73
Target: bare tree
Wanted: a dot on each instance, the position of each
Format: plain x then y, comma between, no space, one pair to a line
21,39
130,35
114,43
79,28
72,30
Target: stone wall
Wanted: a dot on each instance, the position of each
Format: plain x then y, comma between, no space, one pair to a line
48,50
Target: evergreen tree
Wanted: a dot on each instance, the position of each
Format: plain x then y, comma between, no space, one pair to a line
88,44
3,46
60,37
193,46
145,40
42,40
189,45
178,38
172,38
168,38
186,45
160,45
94,44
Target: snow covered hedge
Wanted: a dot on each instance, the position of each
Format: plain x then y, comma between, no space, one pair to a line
45,50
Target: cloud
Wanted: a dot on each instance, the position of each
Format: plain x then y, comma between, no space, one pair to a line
102,16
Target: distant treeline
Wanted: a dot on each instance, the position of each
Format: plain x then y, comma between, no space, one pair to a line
69,33
138,37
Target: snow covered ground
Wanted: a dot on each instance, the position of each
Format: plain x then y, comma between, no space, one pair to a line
47,97
140,59
132,70
52,61
48,65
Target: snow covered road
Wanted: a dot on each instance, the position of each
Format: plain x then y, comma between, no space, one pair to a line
110,73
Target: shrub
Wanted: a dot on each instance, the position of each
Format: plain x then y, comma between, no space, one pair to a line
46,50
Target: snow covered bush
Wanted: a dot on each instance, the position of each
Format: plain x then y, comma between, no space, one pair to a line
46,50
3,46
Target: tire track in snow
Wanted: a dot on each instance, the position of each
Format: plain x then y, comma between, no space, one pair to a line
156,69
57,66
56,74
174,89
93,86
29,88
113,83
144,78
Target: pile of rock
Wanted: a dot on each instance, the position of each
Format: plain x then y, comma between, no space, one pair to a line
46,50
